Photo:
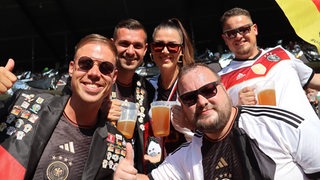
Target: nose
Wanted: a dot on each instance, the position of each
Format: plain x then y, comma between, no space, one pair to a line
201,100
130,50
238,35
165,50
94,71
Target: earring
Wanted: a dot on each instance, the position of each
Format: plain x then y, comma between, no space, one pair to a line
180,61
151,57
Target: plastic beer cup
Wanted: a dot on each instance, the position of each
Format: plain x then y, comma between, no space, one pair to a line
128,118
266,93
160,118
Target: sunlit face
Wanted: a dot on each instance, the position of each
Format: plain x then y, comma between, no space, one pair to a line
165,59
92,86
208,114
131,46
243,46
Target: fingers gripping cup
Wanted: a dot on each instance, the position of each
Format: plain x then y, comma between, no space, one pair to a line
127,120
266,93
160,118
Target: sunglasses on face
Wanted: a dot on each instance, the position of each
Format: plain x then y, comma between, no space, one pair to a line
86,63
209,90
159,46
230,34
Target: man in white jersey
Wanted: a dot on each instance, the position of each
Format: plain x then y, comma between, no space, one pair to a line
245,142
252,65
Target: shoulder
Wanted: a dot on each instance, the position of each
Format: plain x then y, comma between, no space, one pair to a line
269,115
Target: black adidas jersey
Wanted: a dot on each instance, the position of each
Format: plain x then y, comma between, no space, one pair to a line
66,152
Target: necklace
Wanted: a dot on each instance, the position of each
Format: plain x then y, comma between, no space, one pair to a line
74,123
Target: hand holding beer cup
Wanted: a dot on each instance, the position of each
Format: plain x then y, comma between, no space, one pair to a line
266,93
128,118
161,118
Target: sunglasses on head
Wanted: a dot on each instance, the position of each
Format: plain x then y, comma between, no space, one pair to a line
159,46
230,34
209,90
86,63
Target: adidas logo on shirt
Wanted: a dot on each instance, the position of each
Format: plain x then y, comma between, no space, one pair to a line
67,147
221,164
240,75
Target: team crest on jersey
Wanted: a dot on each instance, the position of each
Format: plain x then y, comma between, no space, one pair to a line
272,57
58,169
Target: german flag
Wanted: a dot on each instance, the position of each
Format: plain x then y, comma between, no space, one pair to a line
304,17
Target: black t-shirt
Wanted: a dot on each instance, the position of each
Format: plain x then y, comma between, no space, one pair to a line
220,159
66,153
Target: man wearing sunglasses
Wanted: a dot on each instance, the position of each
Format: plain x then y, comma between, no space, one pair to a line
43,136
244,142
252,64
130,39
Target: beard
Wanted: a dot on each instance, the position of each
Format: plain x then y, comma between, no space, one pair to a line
214,121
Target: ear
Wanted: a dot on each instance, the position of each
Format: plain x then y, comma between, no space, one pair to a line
71,68
115,75
145,50
255,29
224,38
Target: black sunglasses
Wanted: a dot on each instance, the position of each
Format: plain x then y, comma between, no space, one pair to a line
209,90
86,63
230,34
159,46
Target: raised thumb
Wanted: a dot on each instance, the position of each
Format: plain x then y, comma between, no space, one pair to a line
130,153
10,65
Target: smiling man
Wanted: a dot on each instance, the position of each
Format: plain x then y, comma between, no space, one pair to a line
130,39
253,65
52,137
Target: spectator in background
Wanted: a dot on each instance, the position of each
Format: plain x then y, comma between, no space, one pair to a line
171,49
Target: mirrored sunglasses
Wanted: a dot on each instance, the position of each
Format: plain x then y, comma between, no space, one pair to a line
243,30
86,63
190,98
159,46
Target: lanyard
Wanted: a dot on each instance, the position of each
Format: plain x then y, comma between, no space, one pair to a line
173,90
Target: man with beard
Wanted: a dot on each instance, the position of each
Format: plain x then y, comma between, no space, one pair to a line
245,142
130,39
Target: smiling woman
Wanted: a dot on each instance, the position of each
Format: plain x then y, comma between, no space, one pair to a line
171,49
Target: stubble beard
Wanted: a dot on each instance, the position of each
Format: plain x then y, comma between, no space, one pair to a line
213,122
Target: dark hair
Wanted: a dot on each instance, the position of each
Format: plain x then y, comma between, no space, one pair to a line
234,12
187,48
131,24
96,38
